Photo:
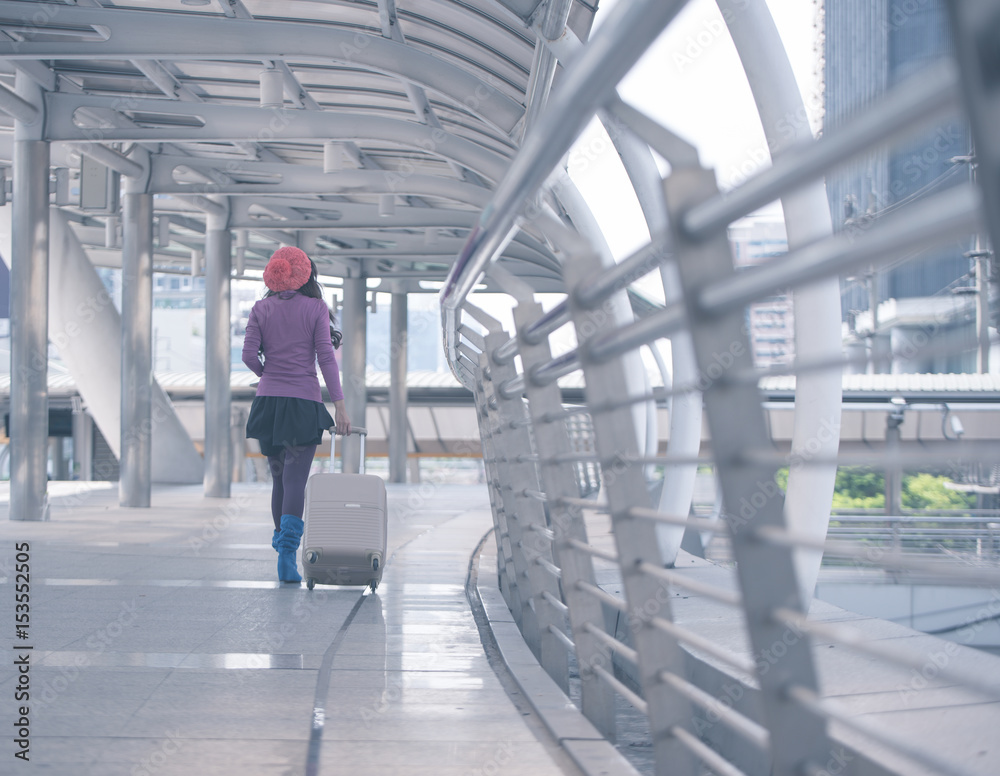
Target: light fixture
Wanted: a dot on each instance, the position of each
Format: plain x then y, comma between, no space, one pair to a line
163,231
196,256
333,158
952,423
241,252
111,232
272,88
196,2
386,205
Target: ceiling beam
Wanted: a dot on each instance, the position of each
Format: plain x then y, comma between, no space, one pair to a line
273,178
140,34
351,215
226,122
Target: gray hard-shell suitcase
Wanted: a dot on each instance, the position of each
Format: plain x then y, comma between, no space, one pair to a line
345,526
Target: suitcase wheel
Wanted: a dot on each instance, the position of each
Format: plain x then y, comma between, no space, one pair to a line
373,585
310,583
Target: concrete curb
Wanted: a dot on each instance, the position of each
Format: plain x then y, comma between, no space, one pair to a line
593,754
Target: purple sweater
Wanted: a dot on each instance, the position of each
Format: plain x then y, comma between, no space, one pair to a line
294,331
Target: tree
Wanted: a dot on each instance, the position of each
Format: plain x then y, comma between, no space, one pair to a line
927,491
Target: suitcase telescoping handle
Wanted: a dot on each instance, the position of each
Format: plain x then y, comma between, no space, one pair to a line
361,432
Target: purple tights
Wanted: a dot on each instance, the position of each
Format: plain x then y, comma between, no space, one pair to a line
289,472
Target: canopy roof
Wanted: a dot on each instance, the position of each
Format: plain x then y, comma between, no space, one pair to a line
414,109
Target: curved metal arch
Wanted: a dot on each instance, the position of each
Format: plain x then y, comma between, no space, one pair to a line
227,122
134,34
302,179
336,215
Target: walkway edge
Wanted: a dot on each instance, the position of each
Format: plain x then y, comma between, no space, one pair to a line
593,754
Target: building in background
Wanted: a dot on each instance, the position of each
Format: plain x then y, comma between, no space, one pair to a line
871,46
771,322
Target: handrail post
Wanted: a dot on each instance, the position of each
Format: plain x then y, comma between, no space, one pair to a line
506,575
512,440
558,482
636,540
766,573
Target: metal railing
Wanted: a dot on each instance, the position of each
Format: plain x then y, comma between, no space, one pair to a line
596,574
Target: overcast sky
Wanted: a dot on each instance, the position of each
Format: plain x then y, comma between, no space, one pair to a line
692,81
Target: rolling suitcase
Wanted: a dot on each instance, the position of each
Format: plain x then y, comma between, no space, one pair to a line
345,526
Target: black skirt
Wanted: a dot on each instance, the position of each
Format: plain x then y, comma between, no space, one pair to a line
280,422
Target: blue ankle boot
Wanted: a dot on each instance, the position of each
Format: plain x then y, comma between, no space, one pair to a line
274,539
288,544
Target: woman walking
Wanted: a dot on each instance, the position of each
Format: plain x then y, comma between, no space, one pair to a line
288,331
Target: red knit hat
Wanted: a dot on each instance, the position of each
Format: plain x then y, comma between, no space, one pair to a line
288,269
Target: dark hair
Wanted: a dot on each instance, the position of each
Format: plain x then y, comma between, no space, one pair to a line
309,288
312,288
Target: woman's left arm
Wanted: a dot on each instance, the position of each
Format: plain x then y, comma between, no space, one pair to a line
325,355
251,345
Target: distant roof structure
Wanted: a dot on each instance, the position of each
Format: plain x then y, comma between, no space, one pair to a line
921,387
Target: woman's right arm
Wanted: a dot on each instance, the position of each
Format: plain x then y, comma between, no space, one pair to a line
251,345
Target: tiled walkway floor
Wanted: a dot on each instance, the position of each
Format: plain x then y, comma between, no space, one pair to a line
161,644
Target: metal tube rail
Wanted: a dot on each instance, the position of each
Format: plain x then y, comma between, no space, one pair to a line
548,533
906,108
896,561
751,731
535,333
934,221
966,450
696,641
629,29
695,523
467,351
473,336
612,643
621,689
593,291
931,222
563,638
590,294
551,568
706,754
600,595
576,544
567,363
555,601
512,388
660,324
673,577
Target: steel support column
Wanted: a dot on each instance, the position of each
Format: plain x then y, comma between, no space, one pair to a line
134,483
355,323
83,443
398,431
29,303
218,266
